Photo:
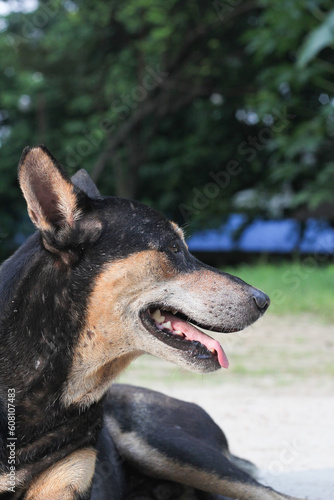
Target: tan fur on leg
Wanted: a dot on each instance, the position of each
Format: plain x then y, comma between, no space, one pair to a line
66,478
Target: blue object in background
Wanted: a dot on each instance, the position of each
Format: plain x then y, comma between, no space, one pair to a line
276,236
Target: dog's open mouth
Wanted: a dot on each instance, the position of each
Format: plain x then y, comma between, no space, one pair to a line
173,329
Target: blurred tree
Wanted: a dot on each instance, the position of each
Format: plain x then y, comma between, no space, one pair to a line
196,108
292,46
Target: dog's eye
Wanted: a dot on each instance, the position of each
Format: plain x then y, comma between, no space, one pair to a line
175,248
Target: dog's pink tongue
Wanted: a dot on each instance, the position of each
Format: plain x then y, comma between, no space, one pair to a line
193,333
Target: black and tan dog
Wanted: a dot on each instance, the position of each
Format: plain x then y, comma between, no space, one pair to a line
103,281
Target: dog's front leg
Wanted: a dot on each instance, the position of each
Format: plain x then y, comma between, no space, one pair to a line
177,441
182,461
68,479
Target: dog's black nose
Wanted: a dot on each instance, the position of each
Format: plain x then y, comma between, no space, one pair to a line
261,300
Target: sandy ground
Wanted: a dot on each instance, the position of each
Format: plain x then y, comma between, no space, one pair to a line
275,403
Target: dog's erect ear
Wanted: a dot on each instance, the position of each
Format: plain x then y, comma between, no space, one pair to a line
82,181
49,193
58,208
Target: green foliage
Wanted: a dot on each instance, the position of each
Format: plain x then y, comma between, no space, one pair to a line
317,40
153,97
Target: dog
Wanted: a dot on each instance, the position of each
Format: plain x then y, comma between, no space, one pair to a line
102,281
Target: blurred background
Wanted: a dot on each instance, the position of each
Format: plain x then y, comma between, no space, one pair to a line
220,114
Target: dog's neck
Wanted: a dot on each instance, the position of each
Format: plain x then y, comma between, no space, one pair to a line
87,385
40,323
49,356
14,268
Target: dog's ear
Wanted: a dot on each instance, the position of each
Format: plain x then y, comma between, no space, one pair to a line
58,208
82,181
50,196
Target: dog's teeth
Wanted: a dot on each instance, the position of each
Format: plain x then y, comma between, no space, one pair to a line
213,351
178,332
167,325
157,316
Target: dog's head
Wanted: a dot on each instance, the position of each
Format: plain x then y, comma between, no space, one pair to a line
147,293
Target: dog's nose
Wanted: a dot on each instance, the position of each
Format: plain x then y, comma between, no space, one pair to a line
261,300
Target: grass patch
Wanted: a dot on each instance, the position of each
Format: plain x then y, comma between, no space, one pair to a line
294,288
